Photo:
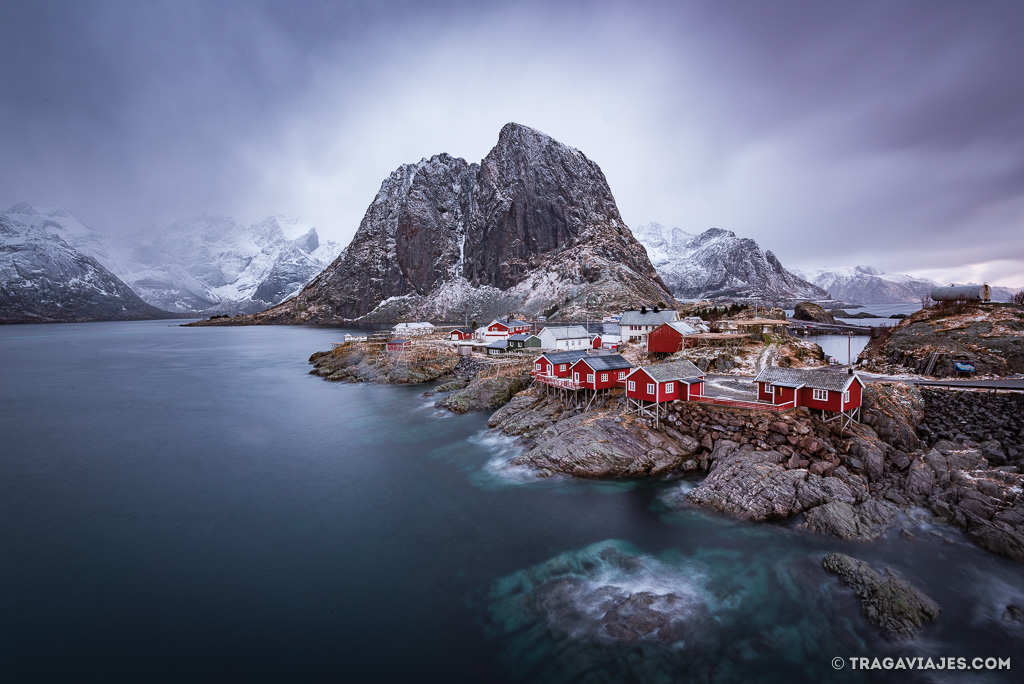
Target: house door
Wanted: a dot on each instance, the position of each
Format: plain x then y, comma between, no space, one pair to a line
576,377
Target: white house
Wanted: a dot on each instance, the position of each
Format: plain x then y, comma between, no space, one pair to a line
634,325
565,338
420,328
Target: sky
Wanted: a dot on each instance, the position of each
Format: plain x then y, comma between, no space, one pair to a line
887,133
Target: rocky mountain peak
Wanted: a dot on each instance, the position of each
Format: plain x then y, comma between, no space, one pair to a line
444,235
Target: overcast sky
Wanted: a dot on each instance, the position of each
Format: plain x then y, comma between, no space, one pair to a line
834,133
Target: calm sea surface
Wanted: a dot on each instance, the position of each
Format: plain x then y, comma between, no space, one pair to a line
189,505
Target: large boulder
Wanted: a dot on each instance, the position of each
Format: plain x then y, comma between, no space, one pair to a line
888,601
483,393
809,311
863,521
754,485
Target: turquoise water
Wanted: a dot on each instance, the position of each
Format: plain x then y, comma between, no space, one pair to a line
184,504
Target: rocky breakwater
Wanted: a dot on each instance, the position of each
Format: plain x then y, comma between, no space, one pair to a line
991,336
360,362
846,481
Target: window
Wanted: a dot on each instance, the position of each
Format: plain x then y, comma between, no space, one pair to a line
650,388
820,395
632,386
536,366
670,387
604,377
622,374
590,377
562,367
846,397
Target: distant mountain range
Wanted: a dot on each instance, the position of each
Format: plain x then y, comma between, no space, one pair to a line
869,285
43,279
717,264
532,228
203,265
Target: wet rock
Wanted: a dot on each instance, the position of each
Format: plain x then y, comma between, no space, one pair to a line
865,521
753,485
888,601
482,394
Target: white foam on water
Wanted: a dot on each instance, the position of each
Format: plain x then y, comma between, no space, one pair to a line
504,450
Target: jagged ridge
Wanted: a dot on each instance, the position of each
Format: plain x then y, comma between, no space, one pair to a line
533,227
716,263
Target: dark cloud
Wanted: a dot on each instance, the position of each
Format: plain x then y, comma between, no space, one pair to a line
889,133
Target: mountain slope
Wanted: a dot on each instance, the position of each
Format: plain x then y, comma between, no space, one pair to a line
716,263
869,285
43,279
532,228
211,263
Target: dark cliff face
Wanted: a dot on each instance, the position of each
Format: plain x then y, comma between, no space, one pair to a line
491,227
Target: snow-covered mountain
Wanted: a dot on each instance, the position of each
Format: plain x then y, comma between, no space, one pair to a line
45,279
213,264
716,263
533,227
868,285
202,265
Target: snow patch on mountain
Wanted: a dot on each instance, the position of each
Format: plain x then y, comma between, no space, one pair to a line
869,285
717,263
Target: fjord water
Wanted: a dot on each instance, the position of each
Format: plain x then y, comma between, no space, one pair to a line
182,504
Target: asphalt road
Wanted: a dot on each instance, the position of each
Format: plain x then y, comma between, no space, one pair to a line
1016,383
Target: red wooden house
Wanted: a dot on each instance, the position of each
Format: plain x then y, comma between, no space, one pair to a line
557,364
663,382
461,334
815,389
601,372
500,329
671,337
398,345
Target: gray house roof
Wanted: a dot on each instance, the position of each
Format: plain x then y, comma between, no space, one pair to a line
608,362
498,344
567,332
519,337
674,370
649,318
796,377
565,356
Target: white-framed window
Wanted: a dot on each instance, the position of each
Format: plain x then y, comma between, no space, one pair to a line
562,367
632,386
622,375
650,388
590,377
820,395
536,366
604,377
670,387
846,397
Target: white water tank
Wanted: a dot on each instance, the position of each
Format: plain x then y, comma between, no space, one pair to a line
969,293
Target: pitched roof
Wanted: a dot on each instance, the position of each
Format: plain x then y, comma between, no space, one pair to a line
603,328
565,356
682,327
607,362
498,344
464,331
649,318
519,337
818,379
567,332
399,342
673,370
